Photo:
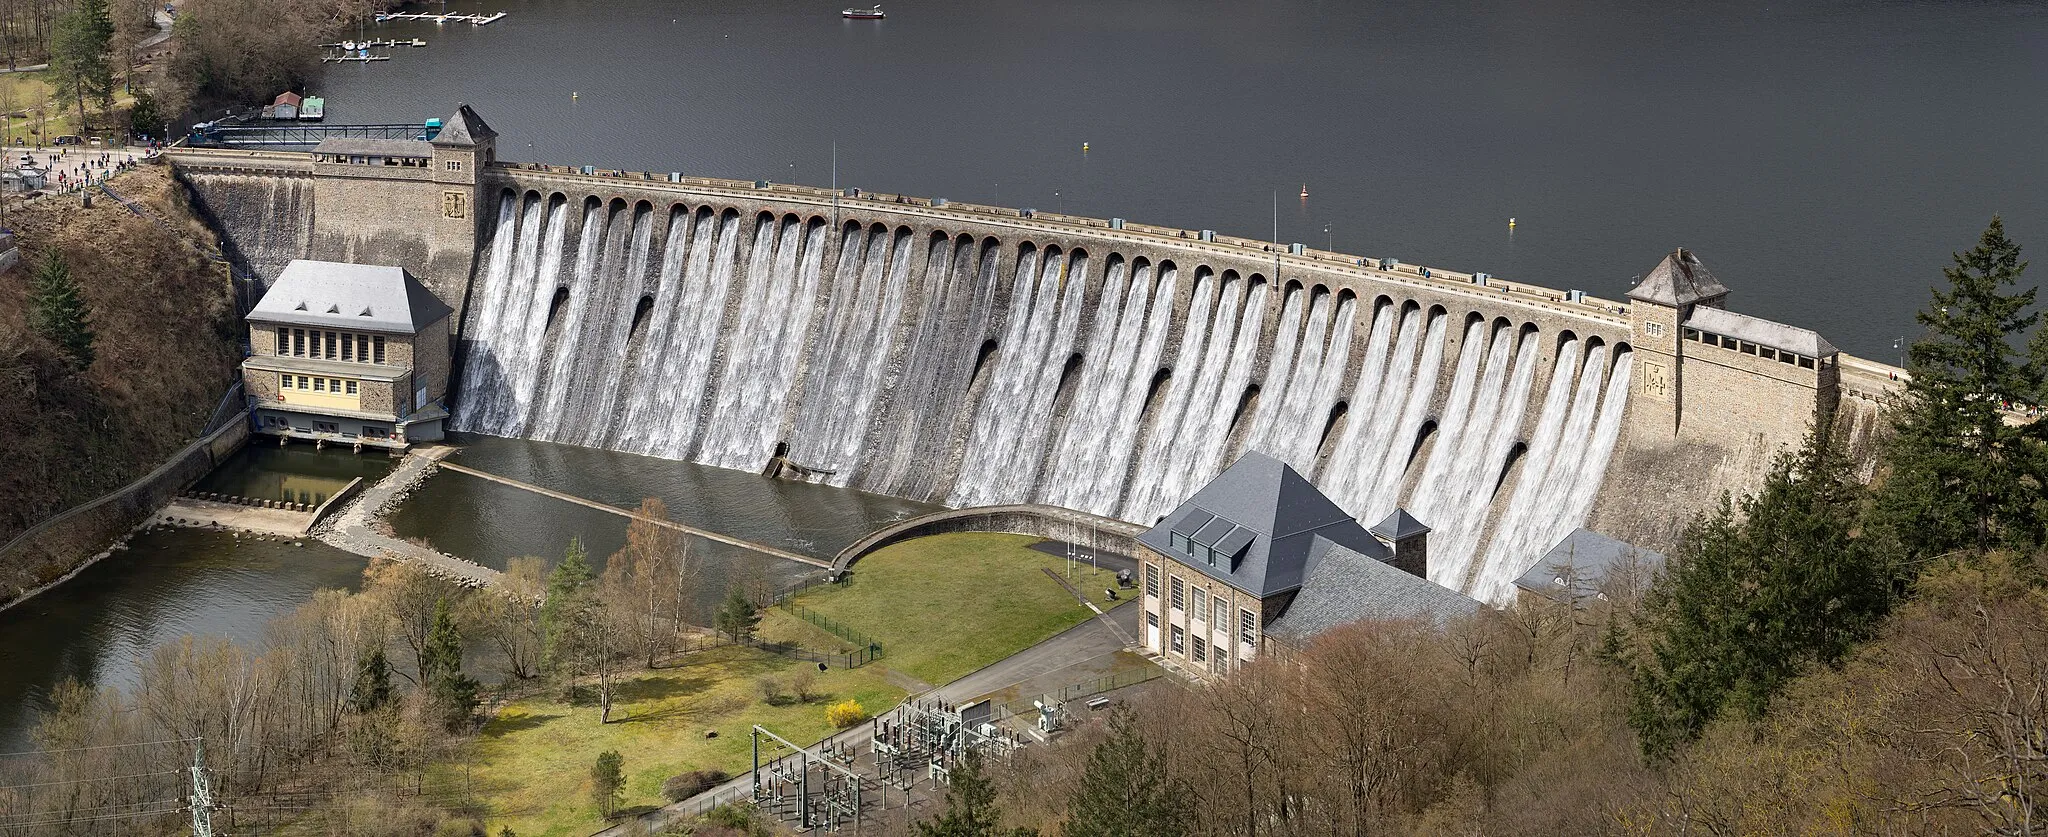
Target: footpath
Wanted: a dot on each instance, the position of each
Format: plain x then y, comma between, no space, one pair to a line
360,528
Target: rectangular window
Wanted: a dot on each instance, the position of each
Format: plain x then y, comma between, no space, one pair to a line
377,349
298,342
1248,628
1653,329
284,342
1179,591
1179,638
1201,650
348,347
1151,620
1222,612
333,345
455,165
1201,613
284,382
319,384
1806,363
351,387
1152,579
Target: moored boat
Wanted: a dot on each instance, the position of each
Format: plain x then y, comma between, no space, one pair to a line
864,14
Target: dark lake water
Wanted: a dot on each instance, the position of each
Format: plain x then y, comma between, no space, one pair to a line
1824,158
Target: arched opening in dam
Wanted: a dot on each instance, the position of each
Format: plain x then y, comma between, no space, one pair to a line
966,368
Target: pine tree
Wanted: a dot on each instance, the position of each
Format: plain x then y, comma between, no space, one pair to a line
1126,791
452,692
1957,476
78,54
568,586
60,313
608,783
1752,601
372,689
737,616
970,805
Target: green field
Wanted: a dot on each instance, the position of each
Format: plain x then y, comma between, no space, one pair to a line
946,605
941,607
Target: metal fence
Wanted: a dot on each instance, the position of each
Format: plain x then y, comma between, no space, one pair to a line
1080,690
867,650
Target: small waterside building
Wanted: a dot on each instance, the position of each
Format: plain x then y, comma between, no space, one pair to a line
1259,561
348,353
285,106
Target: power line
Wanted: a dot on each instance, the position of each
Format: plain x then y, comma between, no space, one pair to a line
176,806
91,779
100,747
78,811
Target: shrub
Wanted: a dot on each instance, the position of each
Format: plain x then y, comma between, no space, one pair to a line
846,713
805,684
685,785
771,691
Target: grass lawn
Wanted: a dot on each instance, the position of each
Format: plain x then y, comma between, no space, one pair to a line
532,762
945,605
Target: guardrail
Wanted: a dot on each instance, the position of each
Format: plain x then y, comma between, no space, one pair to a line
1493,288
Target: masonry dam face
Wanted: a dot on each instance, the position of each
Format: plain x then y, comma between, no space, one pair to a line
974,369
974,355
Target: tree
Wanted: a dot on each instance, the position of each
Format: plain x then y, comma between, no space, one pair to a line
1127,791
144,117
1958,476
372,690
452,693
1750,603
608,783
508,614
738,615
648,583
568,585
78,55
133,21
60,313
970,805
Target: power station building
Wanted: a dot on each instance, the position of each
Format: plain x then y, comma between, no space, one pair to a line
1259,559
348,353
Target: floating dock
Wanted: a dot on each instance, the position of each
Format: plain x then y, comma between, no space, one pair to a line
361,59
446,17
373,42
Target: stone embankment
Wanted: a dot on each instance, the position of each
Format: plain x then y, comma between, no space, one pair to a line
360,527
196,511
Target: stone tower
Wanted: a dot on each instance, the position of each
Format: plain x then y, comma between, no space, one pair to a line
1663,301
461,150
1408,538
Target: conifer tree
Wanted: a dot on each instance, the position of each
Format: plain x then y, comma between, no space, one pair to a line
78,54
608,783
1127,791
1958,477
568,586
970,805
1753,600
60,312
452,692
372,689
737,616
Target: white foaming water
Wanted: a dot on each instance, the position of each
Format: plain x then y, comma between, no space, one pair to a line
869,367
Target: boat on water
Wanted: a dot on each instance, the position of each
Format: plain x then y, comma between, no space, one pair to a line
864,14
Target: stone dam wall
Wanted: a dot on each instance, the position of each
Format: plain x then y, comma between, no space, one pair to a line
979,355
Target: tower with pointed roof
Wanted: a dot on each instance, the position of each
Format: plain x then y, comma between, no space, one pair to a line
1661,304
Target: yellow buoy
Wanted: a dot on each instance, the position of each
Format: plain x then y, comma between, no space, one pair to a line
1511,223
1084,147
574,95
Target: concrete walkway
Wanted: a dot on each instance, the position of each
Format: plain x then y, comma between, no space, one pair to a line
359,528
290,524
628,513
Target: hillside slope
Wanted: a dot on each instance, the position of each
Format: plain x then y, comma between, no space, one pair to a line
166,348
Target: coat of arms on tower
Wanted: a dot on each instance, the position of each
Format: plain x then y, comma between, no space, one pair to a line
454,205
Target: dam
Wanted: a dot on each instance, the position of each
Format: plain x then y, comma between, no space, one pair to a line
975,355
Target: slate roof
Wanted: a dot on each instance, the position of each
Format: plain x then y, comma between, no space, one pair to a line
465,128
1760,331
287,98
375,147
1680,279
1576,566
355,296
1344,586
1399,525
1278,516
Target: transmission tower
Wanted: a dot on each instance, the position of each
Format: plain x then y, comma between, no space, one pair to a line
202,795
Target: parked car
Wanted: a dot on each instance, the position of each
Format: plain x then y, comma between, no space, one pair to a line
96,142
70,139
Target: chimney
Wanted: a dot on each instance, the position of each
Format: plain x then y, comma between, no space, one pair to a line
1408,538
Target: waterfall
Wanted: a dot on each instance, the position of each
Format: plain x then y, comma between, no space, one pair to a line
921,366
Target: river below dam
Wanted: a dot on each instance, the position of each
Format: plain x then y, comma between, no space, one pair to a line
101,625
1812,151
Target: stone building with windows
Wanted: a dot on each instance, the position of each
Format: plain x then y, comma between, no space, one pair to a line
348,353
1260,560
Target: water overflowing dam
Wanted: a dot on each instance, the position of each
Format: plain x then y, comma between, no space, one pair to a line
973,355
972,371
